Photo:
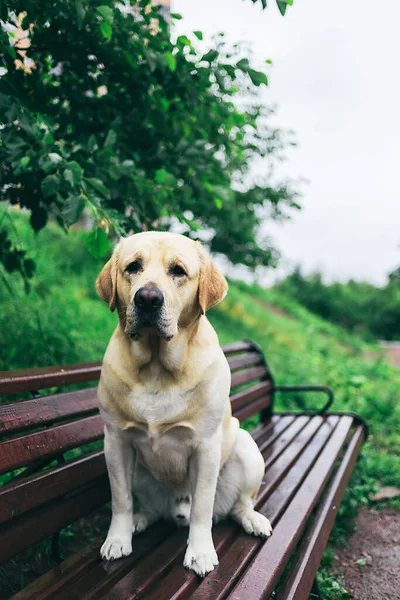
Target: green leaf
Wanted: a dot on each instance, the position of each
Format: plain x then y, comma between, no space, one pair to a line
243,64
97,242
268,61
164,178
11,51
110,139
107,13
38,218
210,55
222,193
25,160
282,5
170,61
176,16
258,78
127,167
106,30
98,185
50,185
183,40
73,173
361,562
264,3
80,13
48,139
55,158
198,34
72,209
92,143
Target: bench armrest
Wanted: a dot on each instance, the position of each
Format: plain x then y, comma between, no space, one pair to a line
308,388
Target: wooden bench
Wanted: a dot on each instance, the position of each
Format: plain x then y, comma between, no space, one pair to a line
309,458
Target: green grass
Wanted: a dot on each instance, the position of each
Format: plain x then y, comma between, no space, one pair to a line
63,321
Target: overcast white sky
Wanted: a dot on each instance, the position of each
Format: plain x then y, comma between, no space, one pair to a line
336,80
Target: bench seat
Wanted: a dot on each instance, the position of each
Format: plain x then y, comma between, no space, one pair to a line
309,459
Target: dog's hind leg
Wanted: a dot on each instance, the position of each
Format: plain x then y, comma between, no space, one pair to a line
153,498
238,484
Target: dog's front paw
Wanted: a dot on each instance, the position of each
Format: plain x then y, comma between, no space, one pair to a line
201,560
114,548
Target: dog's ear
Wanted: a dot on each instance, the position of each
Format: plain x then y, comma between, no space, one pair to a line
106,284
212,284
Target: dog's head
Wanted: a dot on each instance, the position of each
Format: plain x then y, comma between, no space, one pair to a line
160,281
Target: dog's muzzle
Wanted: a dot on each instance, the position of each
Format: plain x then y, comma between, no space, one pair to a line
147,312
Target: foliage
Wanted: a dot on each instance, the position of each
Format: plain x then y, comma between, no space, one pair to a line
107,114
358,306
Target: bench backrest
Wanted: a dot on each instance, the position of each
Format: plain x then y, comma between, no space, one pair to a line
51,458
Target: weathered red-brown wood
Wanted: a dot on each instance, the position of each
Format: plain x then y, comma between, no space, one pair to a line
106,575
259,581
45,410
69,570
246,360
27,380
256,391
237,347
247,376
28,493
299,581
242,551
46,520
23,450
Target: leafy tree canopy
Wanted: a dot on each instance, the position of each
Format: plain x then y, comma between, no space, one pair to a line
100,109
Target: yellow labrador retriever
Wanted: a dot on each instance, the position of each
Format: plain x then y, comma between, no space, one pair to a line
170,438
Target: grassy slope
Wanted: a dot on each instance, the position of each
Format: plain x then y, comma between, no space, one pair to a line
62,321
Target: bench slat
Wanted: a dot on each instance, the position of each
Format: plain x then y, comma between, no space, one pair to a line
26,494
28,380
299,582
43,522
15,416
260,579
247,376
237,347
253,408
240,399
26,449
240,362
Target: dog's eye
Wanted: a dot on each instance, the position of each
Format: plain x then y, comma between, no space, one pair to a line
177,271
134,267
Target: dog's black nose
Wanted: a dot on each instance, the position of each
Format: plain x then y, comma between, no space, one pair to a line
149,299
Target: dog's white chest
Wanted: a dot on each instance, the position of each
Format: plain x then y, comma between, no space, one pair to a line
162,436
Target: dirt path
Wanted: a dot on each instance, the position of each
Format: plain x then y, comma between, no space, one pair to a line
375,545
393,352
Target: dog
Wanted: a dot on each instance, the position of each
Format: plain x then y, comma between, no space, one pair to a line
169,436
